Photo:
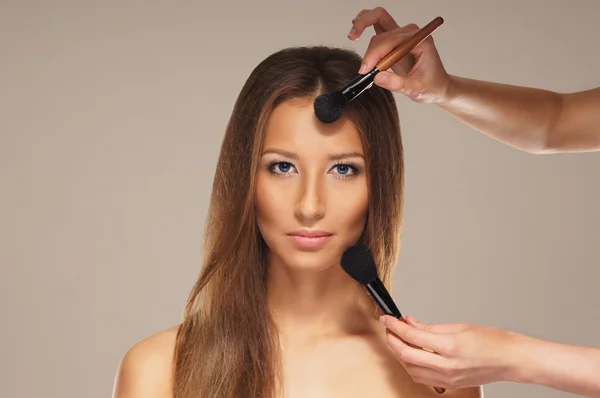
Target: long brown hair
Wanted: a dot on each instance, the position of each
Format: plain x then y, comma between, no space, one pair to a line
227,345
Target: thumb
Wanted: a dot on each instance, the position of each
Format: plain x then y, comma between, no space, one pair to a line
399,84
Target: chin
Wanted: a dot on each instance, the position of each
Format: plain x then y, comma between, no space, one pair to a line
306,259
309,261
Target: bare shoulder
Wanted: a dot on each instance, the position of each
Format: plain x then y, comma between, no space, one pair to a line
146,368
469,392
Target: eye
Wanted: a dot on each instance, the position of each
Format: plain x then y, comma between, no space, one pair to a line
278,167
345,170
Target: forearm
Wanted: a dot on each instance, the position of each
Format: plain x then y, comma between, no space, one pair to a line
558,366
521,117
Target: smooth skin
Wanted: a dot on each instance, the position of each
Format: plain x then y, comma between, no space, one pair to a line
467,354
540,122
533,120
312,176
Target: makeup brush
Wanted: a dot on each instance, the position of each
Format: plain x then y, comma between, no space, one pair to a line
358,262
330,107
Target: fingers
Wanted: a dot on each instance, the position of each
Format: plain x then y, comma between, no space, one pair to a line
410,355
388,34
413,322
391,81
427,376
380,45
407,85
395,83
363,12
450,328
423,367
365,18
418,337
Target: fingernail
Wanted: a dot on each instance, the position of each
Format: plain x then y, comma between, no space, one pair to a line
382,320
363,69
352,32
382,79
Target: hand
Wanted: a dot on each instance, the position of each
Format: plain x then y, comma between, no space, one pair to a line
453,356
420,75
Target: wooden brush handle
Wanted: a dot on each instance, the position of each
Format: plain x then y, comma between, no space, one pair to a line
407,45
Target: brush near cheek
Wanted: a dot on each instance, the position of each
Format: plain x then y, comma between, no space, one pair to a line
359,263
330,107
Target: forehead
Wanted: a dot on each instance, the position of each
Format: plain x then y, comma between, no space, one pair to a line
294,126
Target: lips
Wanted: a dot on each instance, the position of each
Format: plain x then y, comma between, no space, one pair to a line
311,239
311,234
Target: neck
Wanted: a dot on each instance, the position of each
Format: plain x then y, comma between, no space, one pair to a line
317,303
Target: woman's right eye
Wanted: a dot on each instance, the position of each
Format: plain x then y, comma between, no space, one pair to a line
280,167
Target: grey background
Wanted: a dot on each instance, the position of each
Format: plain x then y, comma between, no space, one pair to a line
111,119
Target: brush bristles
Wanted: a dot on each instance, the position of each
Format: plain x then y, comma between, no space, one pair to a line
358,262
330,107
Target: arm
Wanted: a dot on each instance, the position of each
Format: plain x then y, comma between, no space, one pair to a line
145,370
529,119
470,355
558,366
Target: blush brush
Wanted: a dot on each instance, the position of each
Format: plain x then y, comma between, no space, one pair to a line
329,107
358,262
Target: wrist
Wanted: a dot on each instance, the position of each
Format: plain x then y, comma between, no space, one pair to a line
525,358
449,92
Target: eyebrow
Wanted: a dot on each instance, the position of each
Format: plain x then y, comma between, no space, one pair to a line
336,156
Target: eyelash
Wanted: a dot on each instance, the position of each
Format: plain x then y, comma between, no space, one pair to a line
275,162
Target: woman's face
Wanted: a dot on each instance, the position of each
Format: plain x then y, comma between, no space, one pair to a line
312,194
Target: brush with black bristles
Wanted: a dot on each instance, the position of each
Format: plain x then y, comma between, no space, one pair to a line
359,263
329,107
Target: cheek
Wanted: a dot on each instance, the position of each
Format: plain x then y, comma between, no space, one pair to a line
349,208
270,204
261,204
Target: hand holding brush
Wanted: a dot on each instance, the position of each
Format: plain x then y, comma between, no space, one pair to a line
358,262
329,107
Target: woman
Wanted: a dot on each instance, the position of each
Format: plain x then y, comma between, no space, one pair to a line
273,314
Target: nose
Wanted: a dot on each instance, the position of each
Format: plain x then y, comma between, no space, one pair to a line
310,206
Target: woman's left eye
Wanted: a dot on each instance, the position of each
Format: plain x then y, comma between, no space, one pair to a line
344,169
